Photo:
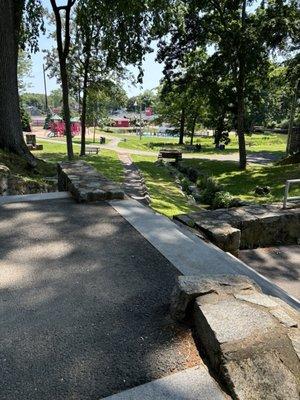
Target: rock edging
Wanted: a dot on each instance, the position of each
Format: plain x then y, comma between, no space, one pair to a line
85,183
247,227
252,340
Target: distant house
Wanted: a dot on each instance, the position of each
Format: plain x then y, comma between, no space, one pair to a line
121,122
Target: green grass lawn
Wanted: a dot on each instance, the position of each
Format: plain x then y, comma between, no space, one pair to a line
242,183
274,143
106,162
166,197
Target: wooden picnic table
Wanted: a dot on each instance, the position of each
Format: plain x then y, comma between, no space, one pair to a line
174,154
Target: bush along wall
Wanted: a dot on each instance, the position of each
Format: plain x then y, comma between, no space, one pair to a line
205,189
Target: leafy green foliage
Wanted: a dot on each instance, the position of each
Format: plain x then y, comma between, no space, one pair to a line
242,39
24,70
33,100
222,200
25,119
146,99
185,183
30,16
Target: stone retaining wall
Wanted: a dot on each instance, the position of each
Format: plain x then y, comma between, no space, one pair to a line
14,184
247,227
252,340
85,183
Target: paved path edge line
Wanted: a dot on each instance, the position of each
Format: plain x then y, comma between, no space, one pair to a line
192,384
281,293
19,198
230,264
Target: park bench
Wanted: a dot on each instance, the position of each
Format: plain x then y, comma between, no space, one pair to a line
92,150
193,147
288,183
173,154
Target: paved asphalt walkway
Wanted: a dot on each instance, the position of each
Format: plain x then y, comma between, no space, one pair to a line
280,264
84,304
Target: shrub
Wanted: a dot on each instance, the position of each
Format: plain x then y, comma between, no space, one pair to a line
222,200
207,196
201,181
185,183
192,173
25,119
208,186
262,190
213,185
284,123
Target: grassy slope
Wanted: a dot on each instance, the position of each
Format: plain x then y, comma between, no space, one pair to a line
106,161
166,198
242,183
18,166
274,143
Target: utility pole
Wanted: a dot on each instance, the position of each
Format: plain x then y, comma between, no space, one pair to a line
45,88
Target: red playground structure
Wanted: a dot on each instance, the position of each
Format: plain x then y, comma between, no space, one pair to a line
57,126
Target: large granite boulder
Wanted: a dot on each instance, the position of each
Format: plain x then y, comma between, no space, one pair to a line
4,176
252,340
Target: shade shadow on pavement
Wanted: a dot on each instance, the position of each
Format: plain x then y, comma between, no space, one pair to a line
280,264
84,303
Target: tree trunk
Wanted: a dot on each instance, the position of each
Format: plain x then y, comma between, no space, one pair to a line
193,130
66,107
241,95
289,150
11,135
220,127
83,122
83,110
63,48
182,123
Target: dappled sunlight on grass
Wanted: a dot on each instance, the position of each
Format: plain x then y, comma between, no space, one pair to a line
242,183
274,143
106,162
166,197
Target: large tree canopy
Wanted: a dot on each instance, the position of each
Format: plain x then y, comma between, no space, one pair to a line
239,35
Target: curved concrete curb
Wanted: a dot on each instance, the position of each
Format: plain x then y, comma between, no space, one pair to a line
188,253
190,384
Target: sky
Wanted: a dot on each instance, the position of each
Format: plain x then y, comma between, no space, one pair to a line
152,69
